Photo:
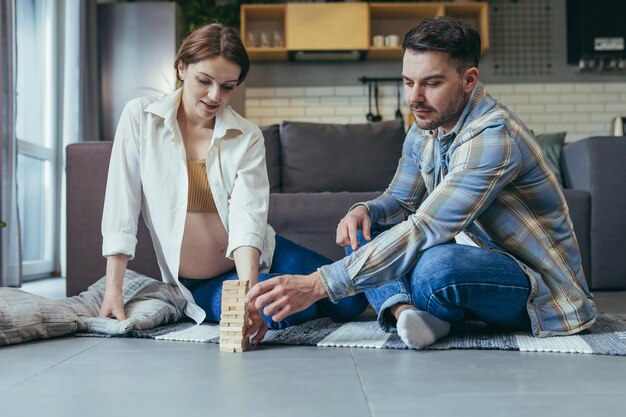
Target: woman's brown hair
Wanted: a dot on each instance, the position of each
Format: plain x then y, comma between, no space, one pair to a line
211,41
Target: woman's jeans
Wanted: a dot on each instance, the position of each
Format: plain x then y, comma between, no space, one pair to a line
289,258
455,282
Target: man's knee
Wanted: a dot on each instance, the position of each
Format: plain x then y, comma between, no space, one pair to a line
439,263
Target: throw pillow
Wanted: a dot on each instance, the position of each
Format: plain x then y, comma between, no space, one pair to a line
551,146
25,317
318,157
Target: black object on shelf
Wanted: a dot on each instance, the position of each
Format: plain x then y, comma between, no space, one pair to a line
368,80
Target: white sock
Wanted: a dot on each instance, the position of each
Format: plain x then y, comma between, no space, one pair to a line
419,329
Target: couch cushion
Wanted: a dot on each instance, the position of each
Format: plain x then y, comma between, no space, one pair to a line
272,155
310,219
320,157
551,145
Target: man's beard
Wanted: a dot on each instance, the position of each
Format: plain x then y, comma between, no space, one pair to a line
449,112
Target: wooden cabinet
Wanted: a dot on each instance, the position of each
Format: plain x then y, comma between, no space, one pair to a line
346,26
327,26
265,19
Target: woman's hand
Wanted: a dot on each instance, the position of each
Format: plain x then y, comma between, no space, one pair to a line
257,326
112,305
113,302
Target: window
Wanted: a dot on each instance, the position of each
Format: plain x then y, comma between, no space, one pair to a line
36,138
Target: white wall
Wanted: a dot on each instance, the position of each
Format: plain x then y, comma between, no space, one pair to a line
580,109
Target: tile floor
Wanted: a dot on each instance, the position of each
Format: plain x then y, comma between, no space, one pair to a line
95,377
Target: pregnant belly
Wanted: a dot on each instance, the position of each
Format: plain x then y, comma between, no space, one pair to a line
204,247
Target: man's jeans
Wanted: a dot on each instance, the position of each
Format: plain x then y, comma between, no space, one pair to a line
289,258
455,282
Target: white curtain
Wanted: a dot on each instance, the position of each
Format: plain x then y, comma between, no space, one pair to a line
81,88
10,257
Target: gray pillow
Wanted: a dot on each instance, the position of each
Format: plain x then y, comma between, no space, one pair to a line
551,146
148,303
318,157
25,317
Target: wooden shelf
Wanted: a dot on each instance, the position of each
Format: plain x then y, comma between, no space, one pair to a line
263,18
348,26
267,54
475,15
384,53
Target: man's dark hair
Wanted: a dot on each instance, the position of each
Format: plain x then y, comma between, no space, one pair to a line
445,34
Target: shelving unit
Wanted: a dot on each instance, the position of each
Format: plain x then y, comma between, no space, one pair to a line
474,14
257,18
345,26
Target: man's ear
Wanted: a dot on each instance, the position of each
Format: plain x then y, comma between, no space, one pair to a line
470,78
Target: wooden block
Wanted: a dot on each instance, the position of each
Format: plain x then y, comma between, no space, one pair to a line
234,298
235,284
233,327
236,336
233,315
235,341
232,349
230,346
241,305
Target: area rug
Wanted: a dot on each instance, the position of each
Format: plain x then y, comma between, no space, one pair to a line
606,337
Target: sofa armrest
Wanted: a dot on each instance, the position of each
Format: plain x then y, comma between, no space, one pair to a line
579,203
87,165
598,165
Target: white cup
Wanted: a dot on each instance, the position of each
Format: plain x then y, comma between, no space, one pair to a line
392,41
378,40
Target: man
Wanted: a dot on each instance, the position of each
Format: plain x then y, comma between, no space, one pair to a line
476,224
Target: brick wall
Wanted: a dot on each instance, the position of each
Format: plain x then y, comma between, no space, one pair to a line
580,109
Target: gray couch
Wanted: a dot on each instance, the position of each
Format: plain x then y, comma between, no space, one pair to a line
317,171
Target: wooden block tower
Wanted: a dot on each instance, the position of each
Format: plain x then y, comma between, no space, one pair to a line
234,318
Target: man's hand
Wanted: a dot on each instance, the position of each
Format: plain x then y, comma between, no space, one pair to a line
112,305
257,324
357,218
285,295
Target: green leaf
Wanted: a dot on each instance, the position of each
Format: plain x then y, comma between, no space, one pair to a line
2,224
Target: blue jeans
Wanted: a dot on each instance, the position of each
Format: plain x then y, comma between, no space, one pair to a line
289,258
455,282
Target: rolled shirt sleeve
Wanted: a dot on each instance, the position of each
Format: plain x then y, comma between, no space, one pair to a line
249,201
122,202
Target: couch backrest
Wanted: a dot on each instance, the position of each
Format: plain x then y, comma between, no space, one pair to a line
272,155
317,157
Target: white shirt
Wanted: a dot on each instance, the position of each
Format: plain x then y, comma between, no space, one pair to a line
148,173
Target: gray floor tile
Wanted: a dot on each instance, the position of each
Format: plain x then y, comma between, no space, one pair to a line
20,362
610,301
451,383
143,377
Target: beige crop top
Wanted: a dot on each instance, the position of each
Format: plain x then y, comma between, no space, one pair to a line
200,199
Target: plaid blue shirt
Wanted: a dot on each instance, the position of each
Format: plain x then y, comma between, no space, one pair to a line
496,187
